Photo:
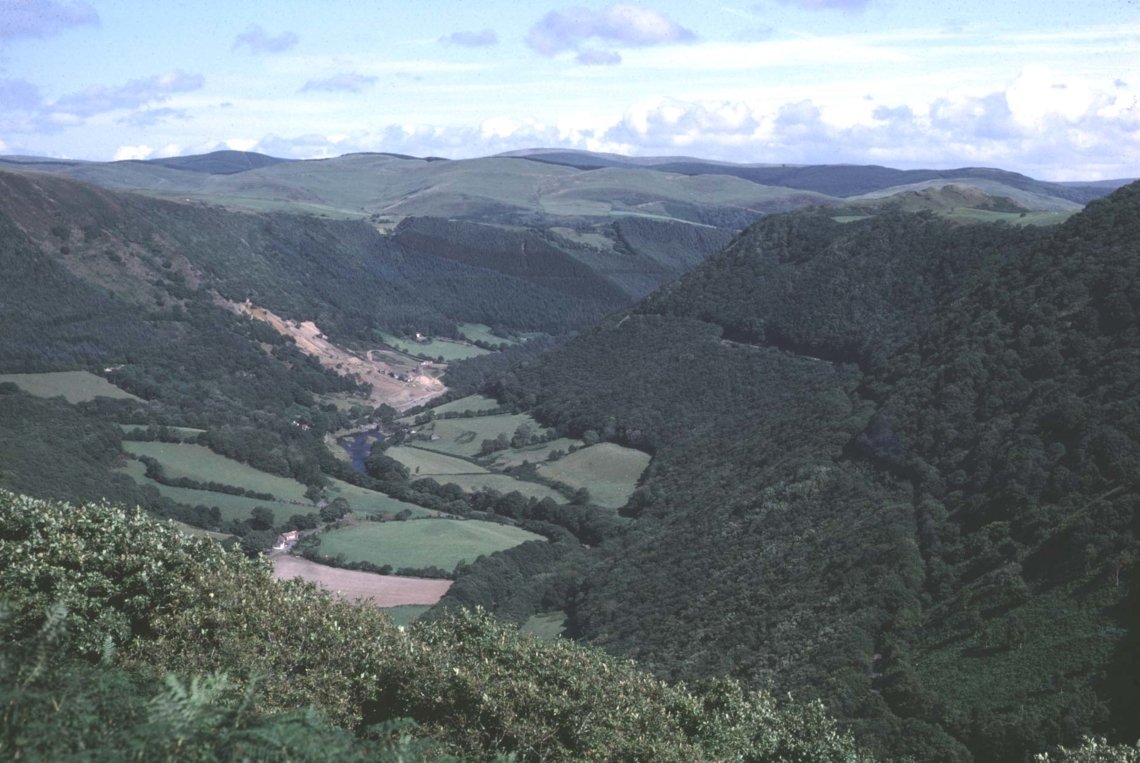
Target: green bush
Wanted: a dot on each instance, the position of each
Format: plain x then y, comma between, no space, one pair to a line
175,604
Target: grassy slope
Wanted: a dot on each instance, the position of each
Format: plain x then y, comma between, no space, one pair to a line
232,507
200,463
441,543
464,437
610,472
73,386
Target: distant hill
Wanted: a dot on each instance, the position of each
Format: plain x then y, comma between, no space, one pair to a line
840,180
535,188
219,162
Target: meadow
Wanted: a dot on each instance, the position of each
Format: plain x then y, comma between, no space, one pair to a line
502,483
610,472
480,332
371,503
474,403
534,454
434,349
185,434
231,507
426,463
73,386
464,437
467,475
199,463
442,543
545,625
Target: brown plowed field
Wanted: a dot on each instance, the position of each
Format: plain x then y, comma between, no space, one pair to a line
380,590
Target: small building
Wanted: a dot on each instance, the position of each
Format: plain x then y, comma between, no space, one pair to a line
285,541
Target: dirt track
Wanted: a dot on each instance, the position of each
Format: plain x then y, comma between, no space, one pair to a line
380,590
385,389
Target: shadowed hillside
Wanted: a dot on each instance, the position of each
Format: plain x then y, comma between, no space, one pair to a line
895,467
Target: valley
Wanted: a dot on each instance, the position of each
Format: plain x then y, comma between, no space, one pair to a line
865,437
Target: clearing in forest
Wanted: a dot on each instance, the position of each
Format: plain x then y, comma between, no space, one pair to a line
73,386
441,543
610,472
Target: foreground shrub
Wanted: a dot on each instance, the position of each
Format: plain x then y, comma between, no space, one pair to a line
174,604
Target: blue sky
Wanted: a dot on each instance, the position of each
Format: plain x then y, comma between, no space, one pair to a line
1048,88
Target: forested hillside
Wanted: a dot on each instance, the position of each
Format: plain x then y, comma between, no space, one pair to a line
895,467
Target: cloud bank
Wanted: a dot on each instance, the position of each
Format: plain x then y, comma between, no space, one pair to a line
42,18
481,39
346,82
623,24
258,41
1083,130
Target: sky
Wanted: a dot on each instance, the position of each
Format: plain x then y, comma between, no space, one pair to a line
1048,88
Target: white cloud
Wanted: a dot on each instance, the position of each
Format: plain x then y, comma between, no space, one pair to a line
258,41
560,31
152,117
480,39
818,5
133,152
19,95
345,82
598,58
42,18
134,93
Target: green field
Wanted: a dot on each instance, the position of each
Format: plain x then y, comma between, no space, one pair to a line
447,349
405,614
184,433
471,477
232,507
610,472
372,503
535,454
441,543
545,625
426,463
199,532
464,437
503,483
74,386
199,463
479,332
469,403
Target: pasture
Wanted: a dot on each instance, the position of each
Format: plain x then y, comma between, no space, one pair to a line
372,503
235,507
73,386
186,434
545,625
502,483
433,349
426,463
610,472
405,614
468,476
469,403
535,454
441,543
479,332
464,437
199,463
